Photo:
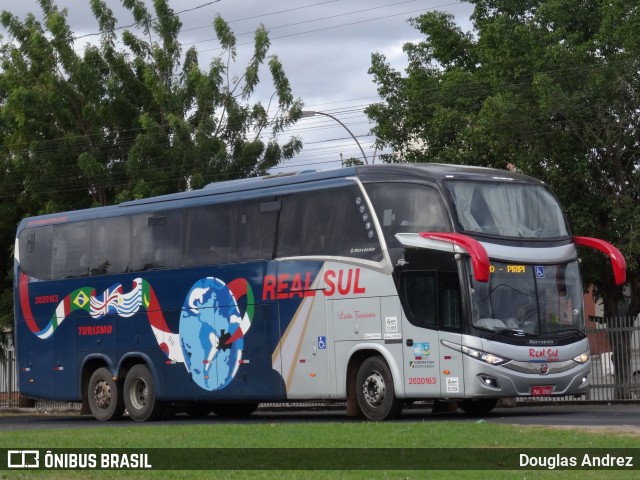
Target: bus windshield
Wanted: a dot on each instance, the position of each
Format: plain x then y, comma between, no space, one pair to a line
540,300
507,209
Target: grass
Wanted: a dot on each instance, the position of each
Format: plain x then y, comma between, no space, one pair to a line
334,435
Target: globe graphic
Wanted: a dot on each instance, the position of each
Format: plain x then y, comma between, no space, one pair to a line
210,316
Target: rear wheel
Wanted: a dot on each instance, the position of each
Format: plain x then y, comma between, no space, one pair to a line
375,391
140,395
104,395
478,407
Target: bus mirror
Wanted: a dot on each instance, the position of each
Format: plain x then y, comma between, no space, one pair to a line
618,262
478,254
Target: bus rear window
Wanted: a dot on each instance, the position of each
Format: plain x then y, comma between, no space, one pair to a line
35,251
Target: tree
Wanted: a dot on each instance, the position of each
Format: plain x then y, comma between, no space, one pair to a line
131,116
549,87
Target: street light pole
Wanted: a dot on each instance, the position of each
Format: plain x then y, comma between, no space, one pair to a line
308,113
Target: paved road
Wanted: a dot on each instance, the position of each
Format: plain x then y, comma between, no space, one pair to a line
614,416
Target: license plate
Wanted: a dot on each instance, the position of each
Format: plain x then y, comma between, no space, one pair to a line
541,390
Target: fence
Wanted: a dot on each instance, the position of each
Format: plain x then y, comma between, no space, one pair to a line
612,378
615,355
8,379
9,394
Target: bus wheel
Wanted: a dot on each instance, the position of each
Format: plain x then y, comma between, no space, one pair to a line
234,410
105,396
478,407
375,391
140,395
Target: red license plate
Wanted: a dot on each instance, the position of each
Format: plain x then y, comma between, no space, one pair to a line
541,390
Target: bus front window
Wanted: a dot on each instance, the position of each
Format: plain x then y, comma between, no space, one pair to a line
507,210
539,300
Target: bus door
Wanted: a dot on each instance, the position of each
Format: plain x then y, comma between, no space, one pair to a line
432,306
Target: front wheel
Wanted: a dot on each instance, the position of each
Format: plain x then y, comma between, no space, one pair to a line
140,395
105,396
375,391
478,407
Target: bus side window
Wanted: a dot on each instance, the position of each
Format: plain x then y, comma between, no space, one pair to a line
110,246
432,299
327,222
407,208
71,244
449,301
210,235
419,292
256,224
156,240
291,224
346,227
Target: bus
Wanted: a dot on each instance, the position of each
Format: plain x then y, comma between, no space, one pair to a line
375,286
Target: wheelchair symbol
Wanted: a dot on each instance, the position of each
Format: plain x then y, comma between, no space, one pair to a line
322,343
539,271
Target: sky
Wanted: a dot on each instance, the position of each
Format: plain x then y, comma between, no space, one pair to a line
325,47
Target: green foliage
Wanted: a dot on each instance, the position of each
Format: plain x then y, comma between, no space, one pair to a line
349,436
113,123
548,87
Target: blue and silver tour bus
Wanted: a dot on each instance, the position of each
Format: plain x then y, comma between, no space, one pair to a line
372,285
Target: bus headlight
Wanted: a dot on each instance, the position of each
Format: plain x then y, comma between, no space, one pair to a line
582,358
489,358
486,357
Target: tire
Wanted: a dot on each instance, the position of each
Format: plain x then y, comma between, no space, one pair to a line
234,410
104,395
375,391
478,407
140,395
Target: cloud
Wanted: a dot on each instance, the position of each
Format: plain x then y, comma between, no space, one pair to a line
325,47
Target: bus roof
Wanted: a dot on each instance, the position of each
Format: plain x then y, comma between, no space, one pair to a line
280,183
436,172
420,171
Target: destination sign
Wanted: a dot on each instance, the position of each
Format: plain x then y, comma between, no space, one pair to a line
509,269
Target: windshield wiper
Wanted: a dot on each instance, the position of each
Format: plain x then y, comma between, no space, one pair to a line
566,330
515,332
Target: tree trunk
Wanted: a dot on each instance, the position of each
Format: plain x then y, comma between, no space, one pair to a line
634,287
